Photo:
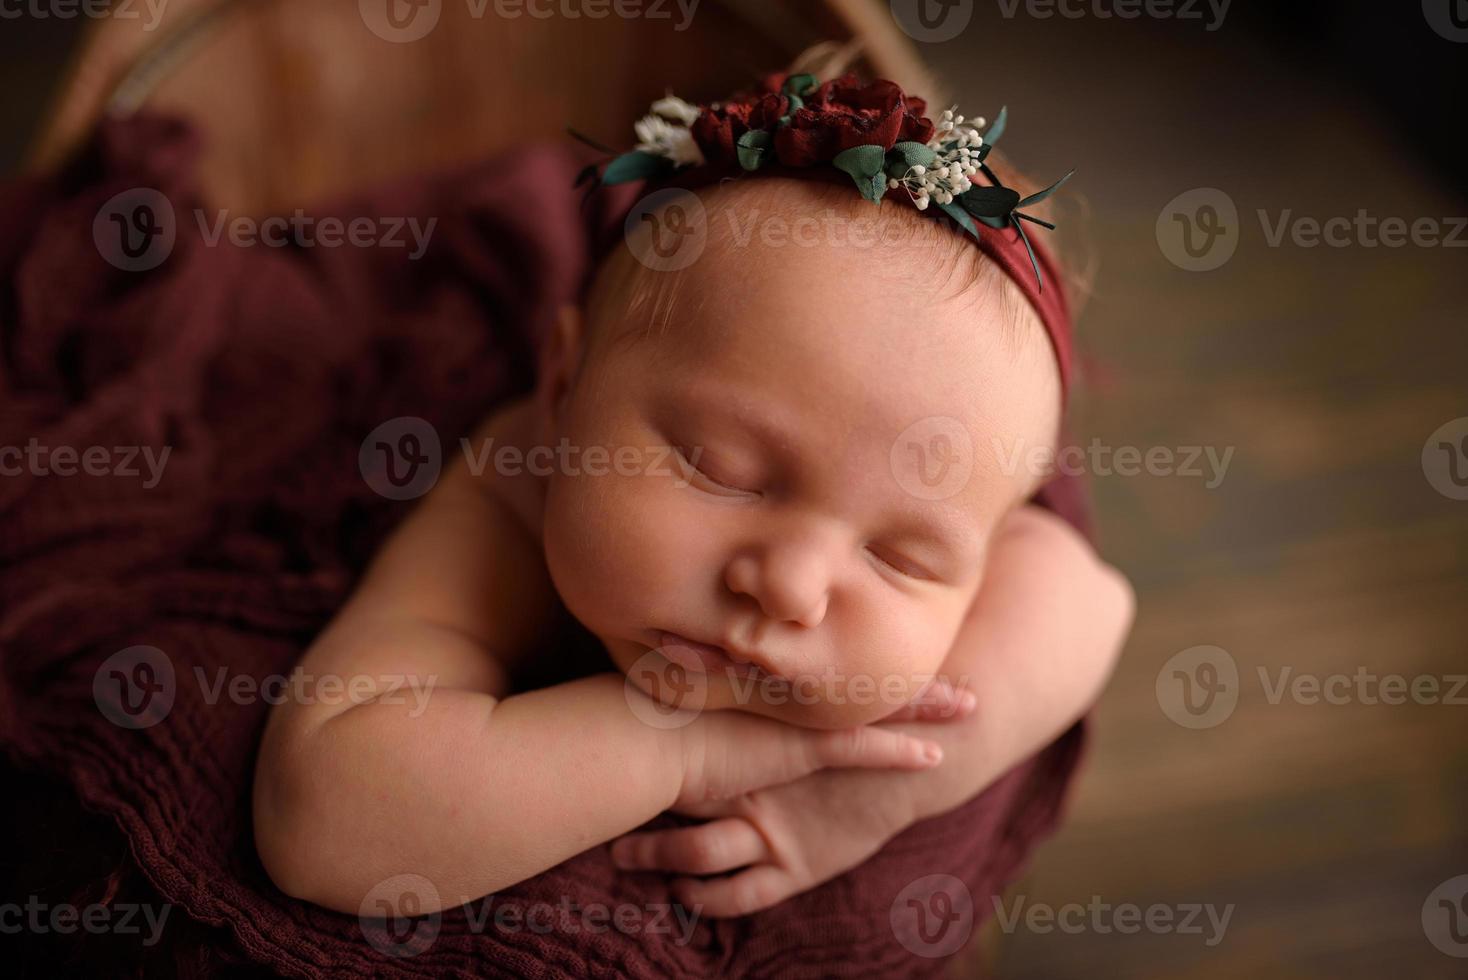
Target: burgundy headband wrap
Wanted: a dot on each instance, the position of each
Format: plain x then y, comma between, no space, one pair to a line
872,134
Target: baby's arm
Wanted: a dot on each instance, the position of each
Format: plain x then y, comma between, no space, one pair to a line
469,788
1036,648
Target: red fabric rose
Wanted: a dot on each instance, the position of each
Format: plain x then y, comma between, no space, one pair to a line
838,115
716,130
844,113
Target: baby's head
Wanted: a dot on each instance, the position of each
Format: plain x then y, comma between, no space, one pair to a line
843,415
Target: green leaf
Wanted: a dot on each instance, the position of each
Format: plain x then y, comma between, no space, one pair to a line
586,173
1033,220
1034,263
1036,198
993,222
798,85
589,141
990,202
751,148
906,155
636,165
864,164
996,128
959,215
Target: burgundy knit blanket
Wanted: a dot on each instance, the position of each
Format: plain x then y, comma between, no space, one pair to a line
183,399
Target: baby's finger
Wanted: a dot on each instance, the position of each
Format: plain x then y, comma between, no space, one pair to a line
748,891
875,748
939,701
706,849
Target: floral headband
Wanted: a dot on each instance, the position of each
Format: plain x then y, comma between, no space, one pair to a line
878,136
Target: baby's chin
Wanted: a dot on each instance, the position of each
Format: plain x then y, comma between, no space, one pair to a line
809,705
808,701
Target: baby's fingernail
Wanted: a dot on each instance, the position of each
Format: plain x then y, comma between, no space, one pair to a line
968,701
622,854
933,752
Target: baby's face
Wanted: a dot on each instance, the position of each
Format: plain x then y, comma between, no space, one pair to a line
843,428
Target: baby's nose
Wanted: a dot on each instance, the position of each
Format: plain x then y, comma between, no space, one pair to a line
791,583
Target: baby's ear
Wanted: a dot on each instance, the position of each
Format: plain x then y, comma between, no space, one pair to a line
559,363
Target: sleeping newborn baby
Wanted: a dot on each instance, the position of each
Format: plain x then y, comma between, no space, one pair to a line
838,614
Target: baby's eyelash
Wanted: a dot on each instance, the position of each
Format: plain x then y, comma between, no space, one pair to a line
902,566
712,479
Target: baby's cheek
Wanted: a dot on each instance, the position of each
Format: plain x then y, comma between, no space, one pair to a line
902,650
619,551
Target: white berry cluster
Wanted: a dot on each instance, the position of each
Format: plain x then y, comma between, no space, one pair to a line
956,144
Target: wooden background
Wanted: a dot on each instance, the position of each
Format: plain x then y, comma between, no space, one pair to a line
1324,549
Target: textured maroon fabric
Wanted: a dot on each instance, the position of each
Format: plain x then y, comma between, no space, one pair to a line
263,369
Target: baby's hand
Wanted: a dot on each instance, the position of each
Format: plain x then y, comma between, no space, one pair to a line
796,832
779,841
728,753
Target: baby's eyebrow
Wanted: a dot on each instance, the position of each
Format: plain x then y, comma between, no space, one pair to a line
944,526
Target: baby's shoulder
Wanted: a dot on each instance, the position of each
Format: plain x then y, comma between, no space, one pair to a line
519,489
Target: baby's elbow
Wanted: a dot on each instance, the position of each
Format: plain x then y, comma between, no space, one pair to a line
290,831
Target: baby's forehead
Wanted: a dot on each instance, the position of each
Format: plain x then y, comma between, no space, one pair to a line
803,273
